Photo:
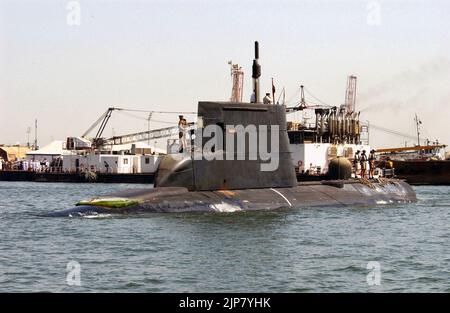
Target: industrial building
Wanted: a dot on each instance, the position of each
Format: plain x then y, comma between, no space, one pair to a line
13,153
111,163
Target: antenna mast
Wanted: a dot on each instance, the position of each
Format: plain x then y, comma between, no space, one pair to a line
418,122
28,136
35,135
148,125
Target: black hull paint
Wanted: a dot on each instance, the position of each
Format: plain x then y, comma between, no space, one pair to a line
177,199
423,172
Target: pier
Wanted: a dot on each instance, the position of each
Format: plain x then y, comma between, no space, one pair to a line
88,177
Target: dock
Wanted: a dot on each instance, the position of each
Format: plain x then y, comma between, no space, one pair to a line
135,178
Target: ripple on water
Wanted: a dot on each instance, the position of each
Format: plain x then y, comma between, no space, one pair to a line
289,250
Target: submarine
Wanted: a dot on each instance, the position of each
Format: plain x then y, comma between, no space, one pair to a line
240,160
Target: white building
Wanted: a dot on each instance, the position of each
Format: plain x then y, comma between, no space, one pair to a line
122,159
112,163
53,150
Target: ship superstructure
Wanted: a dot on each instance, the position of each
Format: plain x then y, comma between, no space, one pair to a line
335,131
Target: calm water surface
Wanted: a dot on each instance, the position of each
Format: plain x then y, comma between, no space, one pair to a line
292,250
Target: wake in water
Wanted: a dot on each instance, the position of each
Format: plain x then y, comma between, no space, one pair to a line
92,215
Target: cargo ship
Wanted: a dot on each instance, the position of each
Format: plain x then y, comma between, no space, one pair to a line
418,165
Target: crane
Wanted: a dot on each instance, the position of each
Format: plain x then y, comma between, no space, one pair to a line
302,105
144,136
350,94
134,137
237,75
102,120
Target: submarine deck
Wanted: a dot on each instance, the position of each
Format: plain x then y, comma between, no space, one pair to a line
351,192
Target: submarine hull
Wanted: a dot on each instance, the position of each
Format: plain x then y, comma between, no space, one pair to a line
304,195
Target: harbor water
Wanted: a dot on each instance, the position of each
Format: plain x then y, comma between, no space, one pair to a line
291,250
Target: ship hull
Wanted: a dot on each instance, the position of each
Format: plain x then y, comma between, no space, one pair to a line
314,194
423,172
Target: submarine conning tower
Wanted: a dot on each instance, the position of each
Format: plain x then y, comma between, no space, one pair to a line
233,167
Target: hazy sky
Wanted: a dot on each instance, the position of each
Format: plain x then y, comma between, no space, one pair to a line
167,55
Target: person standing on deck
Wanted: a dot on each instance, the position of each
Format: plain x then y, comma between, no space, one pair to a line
363,162
253,97
267,99
372,163
180,132
106,166
356,162
182,128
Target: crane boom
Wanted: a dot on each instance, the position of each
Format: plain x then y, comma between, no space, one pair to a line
129,138
103,119
103,124
350,94
144,136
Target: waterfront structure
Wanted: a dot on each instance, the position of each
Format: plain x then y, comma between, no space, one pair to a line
13,153
54,150
111,163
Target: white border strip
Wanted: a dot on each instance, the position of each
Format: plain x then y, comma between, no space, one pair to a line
282,196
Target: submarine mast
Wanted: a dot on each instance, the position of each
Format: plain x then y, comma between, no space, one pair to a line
256,73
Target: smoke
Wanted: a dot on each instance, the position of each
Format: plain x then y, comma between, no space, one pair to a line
412,88
422,89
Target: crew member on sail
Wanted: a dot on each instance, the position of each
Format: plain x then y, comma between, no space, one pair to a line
182,132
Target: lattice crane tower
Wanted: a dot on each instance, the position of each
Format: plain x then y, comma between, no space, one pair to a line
237,76
350,94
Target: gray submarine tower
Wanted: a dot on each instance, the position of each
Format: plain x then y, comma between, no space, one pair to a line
227,169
